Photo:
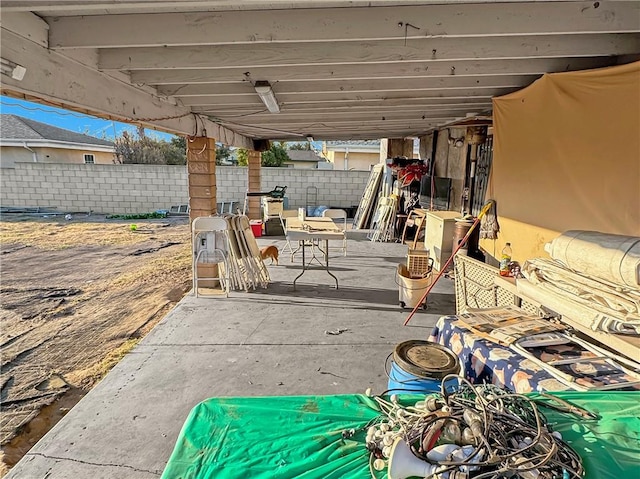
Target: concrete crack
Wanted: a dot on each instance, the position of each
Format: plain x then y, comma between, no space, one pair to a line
155,473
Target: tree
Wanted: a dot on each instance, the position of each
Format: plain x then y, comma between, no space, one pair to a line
138,148
222,153
180,142
143,149
243,157
303,145
176,151
275,156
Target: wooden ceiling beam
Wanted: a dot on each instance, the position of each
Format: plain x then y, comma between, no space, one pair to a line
328,119
355,131
440,49
53,78
397,23
425,69
322,113
337,86
355,105
319,98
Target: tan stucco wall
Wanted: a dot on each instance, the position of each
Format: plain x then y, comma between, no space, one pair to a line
11,154
527,241
356,161
59,155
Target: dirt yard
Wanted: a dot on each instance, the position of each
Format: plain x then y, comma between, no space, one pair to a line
76,295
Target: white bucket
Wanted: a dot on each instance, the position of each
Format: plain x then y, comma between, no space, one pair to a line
411,290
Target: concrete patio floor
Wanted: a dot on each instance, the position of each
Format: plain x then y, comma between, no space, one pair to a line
270,342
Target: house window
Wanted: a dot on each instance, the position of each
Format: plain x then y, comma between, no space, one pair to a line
89,159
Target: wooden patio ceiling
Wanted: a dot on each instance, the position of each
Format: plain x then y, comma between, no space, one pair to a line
338,69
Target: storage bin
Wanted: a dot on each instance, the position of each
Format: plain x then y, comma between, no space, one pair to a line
411,289
256,227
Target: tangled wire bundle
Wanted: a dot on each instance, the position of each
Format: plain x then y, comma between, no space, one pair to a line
478,431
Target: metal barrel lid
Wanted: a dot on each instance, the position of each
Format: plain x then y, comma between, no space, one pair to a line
425,359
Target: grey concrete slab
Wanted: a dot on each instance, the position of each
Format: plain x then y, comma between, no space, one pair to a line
37,466
268,342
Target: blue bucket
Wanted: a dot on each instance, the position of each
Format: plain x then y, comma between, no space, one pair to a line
420,366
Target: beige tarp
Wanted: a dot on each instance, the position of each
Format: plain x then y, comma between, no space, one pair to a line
567,153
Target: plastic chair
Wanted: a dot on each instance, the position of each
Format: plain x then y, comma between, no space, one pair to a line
210,248
339,214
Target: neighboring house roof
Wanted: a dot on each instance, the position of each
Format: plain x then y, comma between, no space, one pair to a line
16,129
304,155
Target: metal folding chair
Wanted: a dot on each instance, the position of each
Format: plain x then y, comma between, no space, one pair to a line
210,251
283,215
337,214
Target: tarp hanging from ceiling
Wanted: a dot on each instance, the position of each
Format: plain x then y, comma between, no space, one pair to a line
567,151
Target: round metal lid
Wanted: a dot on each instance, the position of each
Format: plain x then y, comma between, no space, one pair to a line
425,359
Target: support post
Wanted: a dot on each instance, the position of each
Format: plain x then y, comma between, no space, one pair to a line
201,167
254,183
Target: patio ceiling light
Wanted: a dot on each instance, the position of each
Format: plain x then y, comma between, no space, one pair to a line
264,91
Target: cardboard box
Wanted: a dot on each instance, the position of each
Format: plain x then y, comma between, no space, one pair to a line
208,270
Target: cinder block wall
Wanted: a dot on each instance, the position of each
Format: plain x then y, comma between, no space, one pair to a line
97,188
127,189
334,188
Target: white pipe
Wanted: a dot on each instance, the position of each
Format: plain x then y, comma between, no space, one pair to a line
35,157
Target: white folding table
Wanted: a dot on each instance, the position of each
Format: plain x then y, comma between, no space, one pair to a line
309,233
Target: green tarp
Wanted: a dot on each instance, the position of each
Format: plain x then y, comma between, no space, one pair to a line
301,437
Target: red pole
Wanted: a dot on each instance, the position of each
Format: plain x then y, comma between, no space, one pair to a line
461,243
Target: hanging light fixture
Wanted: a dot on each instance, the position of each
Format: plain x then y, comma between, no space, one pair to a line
264,91
12,69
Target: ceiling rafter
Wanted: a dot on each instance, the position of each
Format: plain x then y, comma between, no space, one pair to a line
439,49
399,70
370,85
340,24
340,69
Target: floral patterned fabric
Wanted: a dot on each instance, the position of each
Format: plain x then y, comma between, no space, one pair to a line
483,361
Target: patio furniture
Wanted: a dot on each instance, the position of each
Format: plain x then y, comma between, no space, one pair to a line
210,252
337,214
417,218
283,215
309,233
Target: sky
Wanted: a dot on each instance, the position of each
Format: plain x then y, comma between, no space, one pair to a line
70,120
78,122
